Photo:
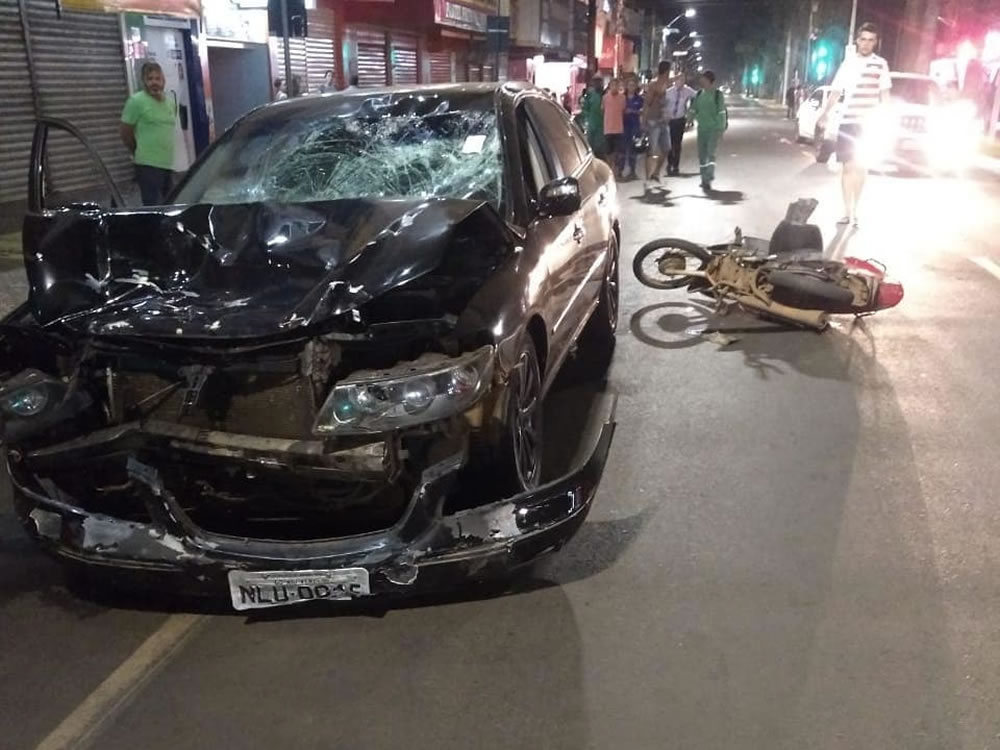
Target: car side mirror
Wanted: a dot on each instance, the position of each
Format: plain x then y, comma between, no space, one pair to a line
560,197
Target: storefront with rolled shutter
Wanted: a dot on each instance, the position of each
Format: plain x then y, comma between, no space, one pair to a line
371,57
311,56
459,35
404,69
77,72
441,66
18,119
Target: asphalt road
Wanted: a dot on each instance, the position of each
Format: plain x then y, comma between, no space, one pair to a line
796,544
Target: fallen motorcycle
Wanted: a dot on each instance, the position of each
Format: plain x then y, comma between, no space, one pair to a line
785,278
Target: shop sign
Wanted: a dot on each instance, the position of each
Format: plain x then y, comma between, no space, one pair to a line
451,13
186,8
236,20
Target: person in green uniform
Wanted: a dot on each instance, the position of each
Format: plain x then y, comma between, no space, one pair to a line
147,129
592,115
708,110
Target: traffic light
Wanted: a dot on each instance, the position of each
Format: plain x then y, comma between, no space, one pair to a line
755,75
821,59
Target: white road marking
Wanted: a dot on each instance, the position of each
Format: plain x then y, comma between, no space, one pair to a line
987,265
122,684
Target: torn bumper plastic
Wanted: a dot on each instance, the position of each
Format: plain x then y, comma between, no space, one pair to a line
426,550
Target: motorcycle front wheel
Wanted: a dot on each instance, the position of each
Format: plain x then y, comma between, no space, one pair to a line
667,263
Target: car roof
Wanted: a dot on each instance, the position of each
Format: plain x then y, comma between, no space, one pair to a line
334,102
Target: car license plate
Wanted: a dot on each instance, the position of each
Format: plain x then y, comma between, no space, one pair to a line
279,588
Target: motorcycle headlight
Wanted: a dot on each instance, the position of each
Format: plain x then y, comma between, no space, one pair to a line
424,392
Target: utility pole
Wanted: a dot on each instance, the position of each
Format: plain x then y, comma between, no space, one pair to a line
496,58
288,52
591,37
788,63
813,9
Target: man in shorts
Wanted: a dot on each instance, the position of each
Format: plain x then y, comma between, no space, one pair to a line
656,121
863,83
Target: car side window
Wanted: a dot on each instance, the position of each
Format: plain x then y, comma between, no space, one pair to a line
556,133
582,147
538,171
817,97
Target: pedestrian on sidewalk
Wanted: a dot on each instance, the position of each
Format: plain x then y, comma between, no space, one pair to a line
327,85
633,125
147,130
678,99
279,90
656,123
791,101
613,105
863,82
592,116
708,111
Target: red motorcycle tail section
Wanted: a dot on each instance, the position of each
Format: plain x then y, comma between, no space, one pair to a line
873,267
890,294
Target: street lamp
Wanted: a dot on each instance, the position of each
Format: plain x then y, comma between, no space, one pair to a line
689,13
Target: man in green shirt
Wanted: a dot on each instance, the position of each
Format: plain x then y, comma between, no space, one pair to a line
708,110
592,116
147,129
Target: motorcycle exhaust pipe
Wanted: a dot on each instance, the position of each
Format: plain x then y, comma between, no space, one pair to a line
809,318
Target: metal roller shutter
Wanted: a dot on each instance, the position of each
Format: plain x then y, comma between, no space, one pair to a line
17,122
404,60
440,67
319,59
487,73
297,51
372,62
320,52
79,68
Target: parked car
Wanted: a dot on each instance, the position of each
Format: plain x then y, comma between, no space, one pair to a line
319,372
810,110
924,125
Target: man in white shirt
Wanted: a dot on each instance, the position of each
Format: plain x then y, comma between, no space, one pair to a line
863,83
676,102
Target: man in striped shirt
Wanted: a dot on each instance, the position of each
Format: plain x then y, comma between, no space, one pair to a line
862,83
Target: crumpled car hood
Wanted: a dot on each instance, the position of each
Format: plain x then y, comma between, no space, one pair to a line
246,270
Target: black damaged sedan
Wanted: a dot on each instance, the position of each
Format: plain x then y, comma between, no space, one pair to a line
320,372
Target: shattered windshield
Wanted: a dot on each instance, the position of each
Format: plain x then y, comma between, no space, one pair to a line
391,147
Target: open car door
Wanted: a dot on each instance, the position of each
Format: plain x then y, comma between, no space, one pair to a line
62,233
48,148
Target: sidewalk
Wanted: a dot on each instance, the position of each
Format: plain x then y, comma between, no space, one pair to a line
13,284
10,251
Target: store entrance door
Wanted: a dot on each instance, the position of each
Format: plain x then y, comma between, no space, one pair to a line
165,45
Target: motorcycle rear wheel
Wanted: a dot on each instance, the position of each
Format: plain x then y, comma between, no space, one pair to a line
806,292
669,253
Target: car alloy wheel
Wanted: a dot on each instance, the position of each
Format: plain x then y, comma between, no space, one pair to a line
610,300
525,418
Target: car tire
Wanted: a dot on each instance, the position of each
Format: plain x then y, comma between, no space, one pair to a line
519,452
674,247
596,345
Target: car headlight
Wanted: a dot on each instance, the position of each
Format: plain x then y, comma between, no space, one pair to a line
424,392
27,395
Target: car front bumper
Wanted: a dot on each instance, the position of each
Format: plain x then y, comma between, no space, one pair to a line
427,550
